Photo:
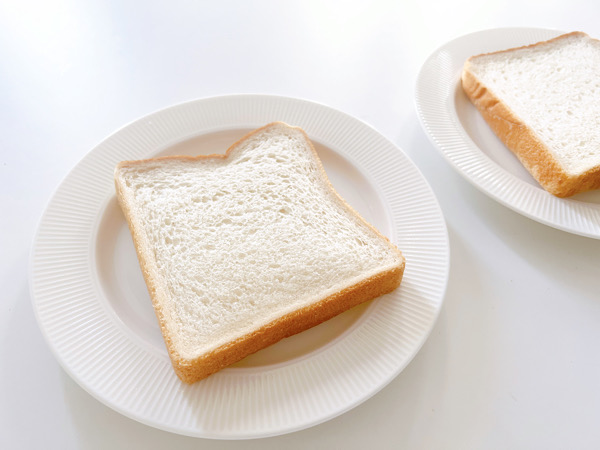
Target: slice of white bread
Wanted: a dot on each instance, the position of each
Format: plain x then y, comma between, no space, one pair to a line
242,249
543,102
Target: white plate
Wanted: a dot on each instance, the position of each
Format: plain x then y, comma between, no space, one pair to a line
94,310
466,141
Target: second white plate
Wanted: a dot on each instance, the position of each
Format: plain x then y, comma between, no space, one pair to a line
470,146
94,310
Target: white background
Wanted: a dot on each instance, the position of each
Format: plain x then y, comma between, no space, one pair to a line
514,359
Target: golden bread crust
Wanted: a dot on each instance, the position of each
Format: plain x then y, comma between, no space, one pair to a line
295,322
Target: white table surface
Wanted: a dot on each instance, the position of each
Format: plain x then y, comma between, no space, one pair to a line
514,359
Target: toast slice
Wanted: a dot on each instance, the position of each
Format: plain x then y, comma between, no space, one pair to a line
543,102
243,249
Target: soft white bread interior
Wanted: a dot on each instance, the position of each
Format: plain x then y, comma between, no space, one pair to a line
241,250
543,102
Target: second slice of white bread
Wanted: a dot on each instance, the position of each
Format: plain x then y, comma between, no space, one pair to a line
241,250
543,102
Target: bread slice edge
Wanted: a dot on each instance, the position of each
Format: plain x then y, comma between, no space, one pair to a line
292,323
